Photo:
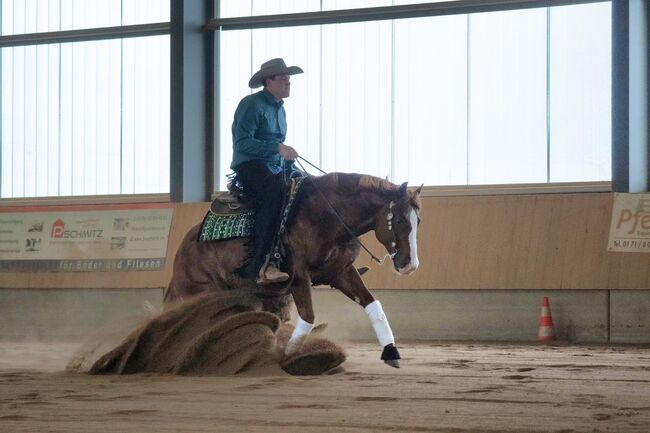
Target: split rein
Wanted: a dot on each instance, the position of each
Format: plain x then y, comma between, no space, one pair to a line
389,217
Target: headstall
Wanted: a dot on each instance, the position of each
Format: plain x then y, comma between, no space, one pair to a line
393,243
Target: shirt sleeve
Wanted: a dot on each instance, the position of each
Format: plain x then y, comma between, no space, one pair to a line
247,122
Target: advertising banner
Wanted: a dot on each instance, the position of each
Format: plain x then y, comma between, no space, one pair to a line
630,227
85,238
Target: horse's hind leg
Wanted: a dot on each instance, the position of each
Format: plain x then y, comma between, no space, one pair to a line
350,283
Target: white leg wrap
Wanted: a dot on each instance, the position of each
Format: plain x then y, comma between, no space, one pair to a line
301,330
380,323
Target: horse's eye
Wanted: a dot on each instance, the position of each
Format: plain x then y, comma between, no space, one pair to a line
399,220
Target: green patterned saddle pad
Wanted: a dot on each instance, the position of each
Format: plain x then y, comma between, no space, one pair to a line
218,227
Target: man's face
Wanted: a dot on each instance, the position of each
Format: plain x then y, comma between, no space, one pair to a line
279,86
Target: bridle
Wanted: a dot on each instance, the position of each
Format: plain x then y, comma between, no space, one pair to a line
389,217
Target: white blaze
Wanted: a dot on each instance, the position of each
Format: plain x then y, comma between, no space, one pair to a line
413,245
413,241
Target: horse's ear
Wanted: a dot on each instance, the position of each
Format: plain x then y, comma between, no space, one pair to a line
419,190
402,188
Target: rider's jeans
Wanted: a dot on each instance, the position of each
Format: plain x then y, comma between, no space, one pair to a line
265,189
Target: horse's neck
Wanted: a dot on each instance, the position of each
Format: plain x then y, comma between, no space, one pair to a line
360,214
358,211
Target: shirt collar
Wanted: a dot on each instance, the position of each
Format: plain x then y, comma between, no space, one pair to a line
271,99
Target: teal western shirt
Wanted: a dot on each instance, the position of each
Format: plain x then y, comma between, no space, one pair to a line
260,125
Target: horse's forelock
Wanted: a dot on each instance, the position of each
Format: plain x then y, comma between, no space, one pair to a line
374,183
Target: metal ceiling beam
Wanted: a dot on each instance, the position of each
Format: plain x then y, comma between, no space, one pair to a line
383,13
81,35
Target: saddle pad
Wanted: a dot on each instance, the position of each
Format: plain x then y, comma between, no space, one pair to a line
217,227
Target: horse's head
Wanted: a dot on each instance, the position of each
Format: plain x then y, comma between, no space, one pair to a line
396,227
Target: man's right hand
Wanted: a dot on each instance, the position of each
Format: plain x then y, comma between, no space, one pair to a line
287,152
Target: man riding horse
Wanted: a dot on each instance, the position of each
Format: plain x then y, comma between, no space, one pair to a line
258,133
331,211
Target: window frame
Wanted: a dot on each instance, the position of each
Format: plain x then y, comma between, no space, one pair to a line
84,35
454,7
217,25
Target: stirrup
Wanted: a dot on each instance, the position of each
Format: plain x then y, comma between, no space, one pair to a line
271,275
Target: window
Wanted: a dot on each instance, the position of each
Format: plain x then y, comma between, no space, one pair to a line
580,93
507,97
84,118
518,96
37,16
430,87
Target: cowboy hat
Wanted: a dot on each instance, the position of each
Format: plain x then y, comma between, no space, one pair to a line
271,68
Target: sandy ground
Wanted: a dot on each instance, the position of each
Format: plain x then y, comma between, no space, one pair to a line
441,387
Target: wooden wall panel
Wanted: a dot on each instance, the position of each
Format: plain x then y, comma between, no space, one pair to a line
544,241
549,241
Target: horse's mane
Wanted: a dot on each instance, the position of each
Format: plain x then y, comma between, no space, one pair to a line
351,183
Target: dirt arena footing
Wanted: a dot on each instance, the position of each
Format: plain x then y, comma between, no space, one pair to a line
441,387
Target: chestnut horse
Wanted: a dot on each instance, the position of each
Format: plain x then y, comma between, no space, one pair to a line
321,246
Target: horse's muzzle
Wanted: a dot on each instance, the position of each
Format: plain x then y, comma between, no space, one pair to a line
408,269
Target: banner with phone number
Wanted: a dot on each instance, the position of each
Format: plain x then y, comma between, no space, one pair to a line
630,227
85,238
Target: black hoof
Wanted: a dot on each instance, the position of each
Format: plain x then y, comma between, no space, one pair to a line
390,355
393,363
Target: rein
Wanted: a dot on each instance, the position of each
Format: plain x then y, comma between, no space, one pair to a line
393,244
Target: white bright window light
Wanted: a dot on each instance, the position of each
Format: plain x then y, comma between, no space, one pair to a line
492,98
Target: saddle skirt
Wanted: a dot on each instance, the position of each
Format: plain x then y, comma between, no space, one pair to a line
227,218
230,217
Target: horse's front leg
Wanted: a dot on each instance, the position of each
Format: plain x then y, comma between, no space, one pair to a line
301,293
350,283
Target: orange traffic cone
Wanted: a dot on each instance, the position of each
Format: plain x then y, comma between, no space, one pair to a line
546,330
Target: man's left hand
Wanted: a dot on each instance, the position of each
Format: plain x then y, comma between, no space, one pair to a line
287,152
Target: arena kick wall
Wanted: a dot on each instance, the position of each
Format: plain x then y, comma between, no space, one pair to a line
485,263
